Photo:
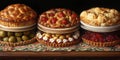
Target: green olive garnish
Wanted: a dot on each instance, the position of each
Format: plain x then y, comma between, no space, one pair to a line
19,39
5,39
18,34
12,39
2,34
32,35
24,37
10,34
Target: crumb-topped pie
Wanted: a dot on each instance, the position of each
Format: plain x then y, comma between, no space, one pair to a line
100,16
102,22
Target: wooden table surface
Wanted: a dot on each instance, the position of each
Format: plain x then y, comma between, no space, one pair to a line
60,54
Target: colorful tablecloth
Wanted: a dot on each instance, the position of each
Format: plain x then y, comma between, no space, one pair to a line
39,47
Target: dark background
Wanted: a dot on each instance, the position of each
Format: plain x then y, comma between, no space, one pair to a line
76,5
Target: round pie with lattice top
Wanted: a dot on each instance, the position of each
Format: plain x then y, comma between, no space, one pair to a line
17,25
17,15
60,28
58,18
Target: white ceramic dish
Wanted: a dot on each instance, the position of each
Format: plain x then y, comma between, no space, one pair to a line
61,29
58,30
17,30
100,29
17,27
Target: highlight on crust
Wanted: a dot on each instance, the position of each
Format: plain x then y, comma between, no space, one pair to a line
17,25
100,16
17,15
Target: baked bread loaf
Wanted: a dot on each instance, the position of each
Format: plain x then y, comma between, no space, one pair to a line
99,16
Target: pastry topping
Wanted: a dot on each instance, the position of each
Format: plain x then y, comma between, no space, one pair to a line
75,36
59,40
17,13
40,36
55,38
59,18
65,40
99,16
77,33
60,14
62,37
52,40
38,33
51,14
68,35
47,35
70,39
45,38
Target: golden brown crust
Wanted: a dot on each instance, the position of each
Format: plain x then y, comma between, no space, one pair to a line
18,13
101,44
100,16
17,24
18,43
58,18
58,44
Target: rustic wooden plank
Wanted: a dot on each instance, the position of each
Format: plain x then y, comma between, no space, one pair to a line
60,54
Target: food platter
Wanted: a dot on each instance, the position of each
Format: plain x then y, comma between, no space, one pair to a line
100,29
26,51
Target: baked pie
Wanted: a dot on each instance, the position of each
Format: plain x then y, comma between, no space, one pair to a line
17,25
58,40
100,16
58,18
104,24
58,28
17,15
101,39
